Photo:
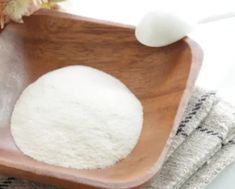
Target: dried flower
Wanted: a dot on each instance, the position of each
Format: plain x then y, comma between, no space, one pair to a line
15,9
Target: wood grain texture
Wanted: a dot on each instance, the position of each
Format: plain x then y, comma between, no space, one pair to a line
162,78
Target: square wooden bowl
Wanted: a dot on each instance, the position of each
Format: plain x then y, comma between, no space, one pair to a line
162,78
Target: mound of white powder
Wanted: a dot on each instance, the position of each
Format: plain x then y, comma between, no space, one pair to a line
77,117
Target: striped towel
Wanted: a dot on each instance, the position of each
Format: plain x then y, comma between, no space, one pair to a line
202,147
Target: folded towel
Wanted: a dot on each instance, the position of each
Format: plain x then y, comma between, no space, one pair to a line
13,183
194,144
203,146
198,108
213,167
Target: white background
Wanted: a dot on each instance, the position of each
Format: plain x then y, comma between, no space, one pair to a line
217,40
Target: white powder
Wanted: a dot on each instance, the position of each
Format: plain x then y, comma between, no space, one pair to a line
77,117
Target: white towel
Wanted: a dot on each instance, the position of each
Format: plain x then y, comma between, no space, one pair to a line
198,108
199,141
213,167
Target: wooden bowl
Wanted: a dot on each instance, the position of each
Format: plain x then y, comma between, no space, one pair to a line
162,79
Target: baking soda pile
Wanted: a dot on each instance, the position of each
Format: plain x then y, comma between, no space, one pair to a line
77,117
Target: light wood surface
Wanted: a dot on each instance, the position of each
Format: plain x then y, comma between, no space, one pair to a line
162,78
